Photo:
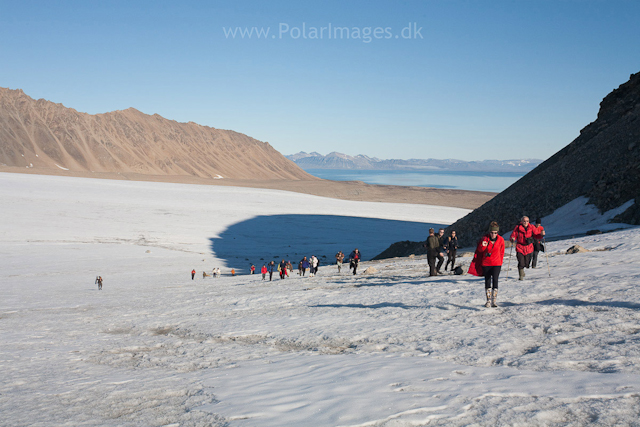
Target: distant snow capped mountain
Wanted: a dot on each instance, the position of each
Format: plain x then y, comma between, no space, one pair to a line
336,160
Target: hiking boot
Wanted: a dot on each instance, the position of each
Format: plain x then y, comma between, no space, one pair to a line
494,297
488,292
521,273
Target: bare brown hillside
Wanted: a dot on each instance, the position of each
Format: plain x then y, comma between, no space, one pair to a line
45,135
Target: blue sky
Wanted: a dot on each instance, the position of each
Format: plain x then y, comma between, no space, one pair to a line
475,80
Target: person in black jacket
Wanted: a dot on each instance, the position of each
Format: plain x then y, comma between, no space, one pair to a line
441,249
451,246
270,267
282,269
355,258
432,244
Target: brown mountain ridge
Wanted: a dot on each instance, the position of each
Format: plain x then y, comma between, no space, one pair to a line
41,137
45,135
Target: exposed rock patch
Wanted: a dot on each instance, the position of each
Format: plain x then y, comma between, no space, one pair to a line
576,249
370,270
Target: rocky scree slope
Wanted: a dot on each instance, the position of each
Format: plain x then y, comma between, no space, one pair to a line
45,135
602,164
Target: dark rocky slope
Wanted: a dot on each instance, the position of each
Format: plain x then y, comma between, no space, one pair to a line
603,164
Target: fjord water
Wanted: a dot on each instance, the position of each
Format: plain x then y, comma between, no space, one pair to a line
458,180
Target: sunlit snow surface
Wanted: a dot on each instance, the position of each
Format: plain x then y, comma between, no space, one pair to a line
395,348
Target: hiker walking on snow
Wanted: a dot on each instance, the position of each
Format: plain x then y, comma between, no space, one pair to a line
451,246
432,244
193,273
441,250
355,258
282,269
270,268
314,265
339,259
487,262
99,282
264,271
524,235
537,243
305,265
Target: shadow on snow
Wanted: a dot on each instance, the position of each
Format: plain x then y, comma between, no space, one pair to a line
290,237
380,305
577,302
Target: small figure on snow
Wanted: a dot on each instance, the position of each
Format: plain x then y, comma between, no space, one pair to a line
339,259
441,250
253,269
451,246
99,282
314,262
305,265
432,244
355,258
264,271
193,273
271,267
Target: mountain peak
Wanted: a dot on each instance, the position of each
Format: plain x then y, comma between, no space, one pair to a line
46,135
336,160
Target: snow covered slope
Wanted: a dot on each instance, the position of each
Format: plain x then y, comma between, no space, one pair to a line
395,348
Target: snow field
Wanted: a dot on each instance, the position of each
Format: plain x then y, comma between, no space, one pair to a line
392,349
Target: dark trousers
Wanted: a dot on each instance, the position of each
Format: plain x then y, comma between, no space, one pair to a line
270,275
491,276
440,262
534,258
523,260
354,265
263,274
431,258
451,258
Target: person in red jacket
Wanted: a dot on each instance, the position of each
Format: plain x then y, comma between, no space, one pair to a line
524,235
193,273
264,271
487,262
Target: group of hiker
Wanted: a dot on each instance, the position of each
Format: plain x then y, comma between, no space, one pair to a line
354,260
437,245
487,259
489,254
307,264
284,268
